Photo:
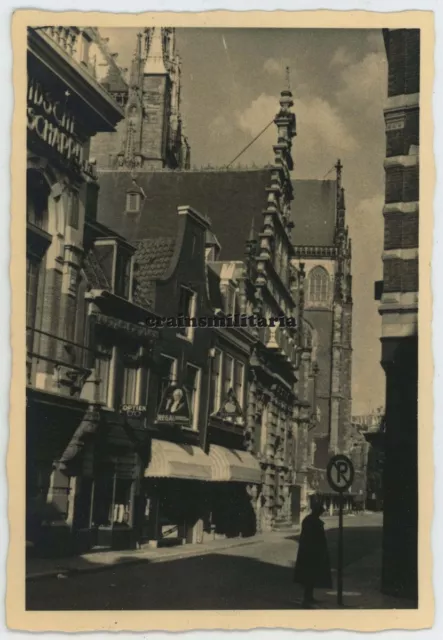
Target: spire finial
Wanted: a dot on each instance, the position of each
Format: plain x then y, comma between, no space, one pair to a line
288,78
338,168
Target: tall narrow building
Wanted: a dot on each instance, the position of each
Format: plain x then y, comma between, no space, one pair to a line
150,137
398,295
323,249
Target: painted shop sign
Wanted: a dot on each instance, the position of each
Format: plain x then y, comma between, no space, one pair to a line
174,407
134,410
55,125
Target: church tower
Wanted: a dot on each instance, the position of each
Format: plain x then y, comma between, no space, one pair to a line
150,137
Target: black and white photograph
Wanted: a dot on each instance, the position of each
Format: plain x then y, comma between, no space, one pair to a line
222,276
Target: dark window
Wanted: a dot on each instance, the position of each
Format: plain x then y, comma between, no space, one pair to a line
105,258
37,194
83,503
73,210
32,276
167,375
123,274
215,382
239,381
186,309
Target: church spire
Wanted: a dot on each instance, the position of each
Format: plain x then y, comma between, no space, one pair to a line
134,80
155,62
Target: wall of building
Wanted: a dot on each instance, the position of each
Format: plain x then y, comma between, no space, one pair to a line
399,308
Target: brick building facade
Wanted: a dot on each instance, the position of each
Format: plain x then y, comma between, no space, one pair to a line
398,295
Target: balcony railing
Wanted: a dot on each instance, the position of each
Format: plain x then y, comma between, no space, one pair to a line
57,364
72,41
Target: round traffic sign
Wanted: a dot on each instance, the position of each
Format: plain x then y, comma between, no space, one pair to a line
340,472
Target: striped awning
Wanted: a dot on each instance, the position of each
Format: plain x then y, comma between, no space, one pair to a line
183,461
232,465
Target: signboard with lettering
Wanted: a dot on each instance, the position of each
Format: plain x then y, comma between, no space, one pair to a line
174,407
133,410
51,121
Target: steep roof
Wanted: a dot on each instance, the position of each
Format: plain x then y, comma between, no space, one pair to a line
152,257
232,199
313,212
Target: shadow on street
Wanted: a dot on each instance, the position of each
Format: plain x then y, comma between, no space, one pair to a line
220,581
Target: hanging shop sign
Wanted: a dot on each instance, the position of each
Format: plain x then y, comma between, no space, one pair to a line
230,409
174,407
50,120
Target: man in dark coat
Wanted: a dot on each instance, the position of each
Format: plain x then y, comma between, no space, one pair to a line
312,568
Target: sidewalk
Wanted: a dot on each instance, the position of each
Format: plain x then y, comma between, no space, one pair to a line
361,587
101,560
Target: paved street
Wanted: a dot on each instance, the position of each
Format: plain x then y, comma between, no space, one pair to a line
256,576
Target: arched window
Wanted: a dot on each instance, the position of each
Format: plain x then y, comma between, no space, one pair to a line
318,285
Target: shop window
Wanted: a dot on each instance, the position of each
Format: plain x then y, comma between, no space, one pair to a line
121,509
112,501
239,374
216,378
187,309
168,375
319,285
192,385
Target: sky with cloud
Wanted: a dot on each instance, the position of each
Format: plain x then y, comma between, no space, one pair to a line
231,81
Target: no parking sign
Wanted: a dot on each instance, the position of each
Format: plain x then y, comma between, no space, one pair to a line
340,474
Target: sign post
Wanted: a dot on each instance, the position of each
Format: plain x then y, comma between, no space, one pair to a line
340,473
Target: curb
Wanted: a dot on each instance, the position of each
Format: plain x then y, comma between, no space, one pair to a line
50,573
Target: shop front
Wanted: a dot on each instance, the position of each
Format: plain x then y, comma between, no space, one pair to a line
58,432
236,478
192,497
175,490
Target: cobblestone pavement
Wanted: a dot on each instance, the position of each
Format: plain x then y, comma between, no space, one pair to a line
257,575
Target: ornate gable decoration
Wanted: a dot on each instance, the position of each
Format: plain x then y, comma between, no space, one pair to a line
230,409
